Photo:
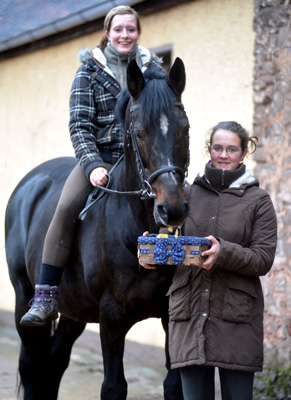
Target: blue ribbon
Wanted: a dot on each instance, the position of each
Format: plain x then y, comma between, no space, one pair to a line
161,252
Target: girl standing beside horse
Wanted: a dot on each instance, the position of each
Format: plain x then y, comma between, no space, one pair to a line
97,141
216,310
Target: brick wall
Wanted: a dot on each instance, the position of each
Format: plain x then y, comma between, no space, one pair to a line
272,125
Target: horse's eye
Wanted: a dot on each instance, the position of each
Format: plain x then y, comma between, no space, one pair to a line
140,136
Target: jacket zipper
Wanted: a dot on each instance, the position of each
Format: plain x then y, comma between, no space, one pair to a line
222,178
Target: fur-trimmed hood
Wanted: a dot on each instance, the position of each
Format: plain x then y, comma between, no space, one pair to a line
96,56
84,55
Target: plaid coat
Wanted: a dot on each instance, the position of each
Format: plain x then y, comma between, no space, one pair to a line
95,135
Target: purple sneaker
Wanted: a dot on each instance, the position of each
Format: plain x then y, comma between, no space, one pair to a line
43,306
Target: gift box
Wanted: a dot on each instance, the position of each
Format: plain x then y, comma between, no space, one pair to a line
171,249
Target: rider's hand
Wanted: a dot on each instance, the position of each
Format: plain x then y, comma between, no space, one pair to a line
99,176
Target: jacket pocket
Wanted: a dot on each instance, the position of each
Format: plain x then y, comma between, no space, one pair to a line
179,300
239,299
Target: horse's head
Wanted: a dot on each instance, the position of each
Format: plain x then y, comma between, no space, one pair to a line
157,137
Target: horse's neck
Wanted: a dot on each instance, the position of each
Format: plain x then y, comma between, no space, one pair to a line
127,179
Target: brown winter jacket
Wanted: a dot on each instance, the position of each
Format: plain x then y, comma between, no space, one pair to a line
216,316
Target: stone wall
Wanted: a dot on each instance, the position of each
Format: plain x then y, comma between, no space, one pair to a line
272,126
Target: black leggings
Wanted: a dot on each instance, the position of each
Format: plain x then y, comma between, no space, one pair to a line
198,383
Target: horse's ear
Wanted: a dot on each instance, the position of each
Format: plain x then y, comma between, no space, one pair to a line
177,77
135,79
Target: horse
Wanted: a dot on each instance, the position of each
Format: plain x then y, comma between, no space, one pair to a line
103,281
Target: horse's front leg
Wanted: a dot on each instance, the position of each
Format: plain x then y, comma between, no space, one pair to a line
34,353
62,342
172,382
113,329
35,344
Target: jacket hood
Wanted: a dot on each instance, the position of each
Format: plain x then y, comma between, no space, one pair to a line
96,56
246,179
85,57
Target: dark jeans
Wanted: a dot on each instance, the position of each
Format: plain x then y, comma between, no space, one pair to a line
198,383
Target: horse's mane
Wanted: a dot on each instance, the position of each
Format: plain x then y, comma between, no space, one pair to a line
156,98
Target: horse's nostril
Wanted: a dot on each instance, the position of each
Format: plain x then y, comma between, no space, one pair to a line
172,215
163,211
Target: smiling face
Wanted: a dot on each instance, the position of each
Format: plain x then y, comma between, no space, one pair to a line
225,151
123,33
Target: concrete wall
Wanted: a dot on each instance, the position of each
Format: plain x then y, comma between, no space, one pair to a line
214,38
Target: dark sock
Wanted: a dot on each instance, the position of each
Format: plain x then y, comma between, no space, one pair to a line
50,275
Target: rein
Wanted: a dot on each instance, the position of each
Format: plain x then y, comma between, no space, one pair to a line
146,191
92,199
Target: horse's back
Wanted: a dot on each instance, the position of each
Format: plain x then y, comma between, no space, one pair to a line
39,190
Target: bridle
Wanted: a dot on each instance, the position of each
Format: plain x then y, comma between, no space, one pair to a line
148,180
146,191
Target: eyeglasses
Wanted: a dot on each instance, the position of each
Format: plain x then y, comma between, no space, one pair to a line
219,149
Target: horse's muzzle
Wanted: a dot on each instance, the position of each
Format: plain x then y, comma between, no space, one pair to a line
167,214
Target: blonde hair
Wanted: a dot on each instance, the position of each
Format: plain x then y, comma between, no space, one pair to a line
119,10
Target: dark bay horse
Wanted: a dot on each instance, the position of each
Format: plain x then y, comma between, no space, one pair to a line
103,281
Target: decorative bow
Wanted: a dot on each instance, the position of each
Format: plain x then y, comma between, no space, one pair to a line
161,252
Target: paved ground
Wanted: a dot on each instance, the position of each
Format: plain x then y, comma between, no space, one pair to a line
144,367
